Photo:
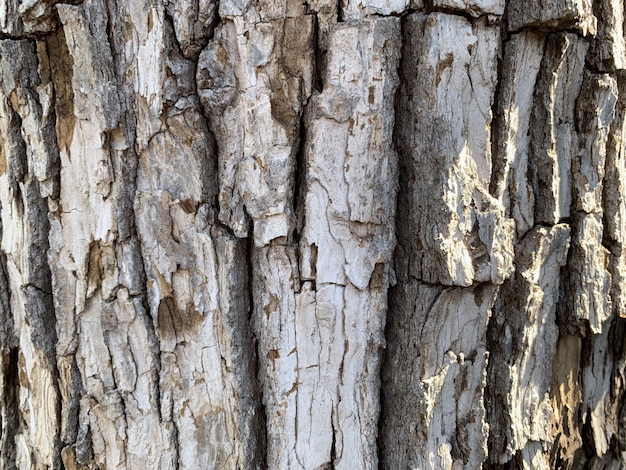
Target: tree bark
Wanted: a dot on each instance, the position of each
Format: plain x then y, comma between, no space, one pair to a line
283,234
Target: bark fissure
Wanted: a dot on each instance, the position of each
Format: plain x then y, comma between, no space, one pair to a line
10,422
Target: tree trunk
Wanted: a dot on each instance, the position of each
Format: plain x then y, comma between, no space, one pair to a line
296,234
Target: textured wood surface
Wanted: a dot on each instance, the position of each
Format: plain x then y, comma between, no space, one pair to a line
312,235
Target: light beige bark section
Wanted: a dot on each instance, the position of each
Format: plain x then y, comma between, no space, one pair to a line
320,372
254,77
475,8
586,301
456,233
614,205
275,284
144,278
451,231
553,15
197,279
599,410
521,59
348,237
552,129
524,339
354,9
434,407
104,327
28,152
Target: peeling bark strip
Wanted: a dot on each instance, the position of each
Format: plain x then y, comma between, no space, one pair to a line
312,235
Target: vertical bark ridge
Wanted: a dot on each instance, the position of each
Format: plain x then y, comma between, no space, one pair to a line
356,194
27,180
444,214
582,136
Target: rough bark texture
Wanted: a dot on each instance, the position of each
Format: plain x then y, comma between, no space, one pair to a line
311,235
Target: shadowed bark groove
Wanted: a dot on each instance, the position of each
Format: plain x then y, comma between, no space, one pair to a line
312,235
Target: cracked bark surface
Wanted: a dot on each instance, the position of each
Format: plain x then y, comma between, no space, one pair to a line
312,235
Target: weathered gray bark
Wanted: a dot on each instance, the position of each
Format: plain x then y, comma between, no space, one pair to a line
285,234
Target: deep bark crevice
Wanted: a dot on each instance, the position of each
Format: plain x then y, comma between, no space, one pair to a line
9,420
498,164
300,183
319,56
257,381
